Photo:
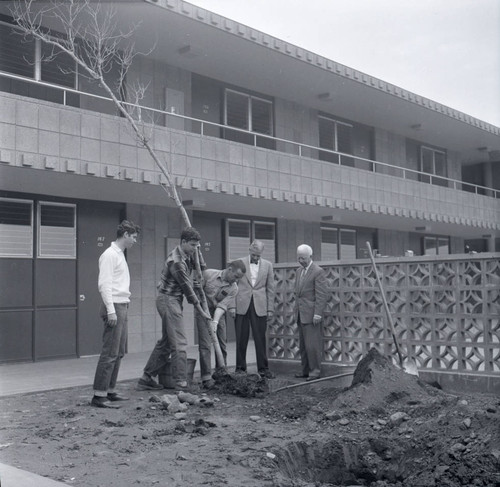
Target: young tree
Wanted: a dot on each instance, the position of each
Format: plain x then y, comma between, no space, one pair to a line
87,31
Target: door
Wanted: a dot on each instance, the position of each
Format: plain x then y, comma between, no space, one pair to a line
97,224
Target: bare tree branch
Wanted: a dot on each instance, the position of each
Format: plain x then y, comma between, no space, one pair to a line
90,37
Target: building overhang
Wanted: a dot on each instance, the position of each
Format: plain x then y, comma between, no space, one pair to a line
208,44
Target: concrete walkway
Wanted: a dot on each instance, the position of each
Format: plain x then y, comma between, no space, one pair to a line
31,377
59,374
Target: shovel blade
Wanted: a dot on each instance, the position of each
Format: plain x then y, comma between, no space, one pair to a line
410,367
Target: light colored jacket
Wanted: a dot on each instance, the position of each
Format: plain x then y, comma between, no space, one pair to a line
311,294
262,292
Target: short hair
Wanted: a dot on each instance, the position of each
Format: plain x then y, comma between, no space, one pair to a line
238,264
304,248
190,233
127,227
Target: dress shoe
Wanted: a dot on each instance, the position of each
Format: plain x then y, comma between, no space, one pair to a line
301,376
103,402
148,385
114,396
312,377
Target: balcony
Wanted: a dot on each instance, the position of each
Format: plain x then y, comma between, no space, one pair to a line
57,137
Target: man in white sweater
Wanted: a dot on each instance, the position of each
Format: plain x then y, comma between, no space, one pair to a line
114,286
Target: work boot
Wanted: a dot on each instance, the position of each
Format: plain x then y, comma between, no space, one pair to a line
148,384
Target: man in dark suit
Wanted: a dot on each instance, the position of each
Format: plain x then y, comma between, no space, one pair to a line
254,306
311,294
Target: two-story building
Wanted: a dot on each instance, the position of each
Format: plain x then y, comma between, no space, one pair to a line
264,140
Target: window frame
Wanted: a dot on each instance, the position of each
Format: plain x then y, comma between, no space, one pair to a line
249,111
336,138
38,61
251,223
39,231
31,247
433,177
339,230
435,239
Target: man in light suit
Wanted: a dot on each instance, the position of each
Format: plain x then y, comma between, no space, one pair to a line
311,294
254,306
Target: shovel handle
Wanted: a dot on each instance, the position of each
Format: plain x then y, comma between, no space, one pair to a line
386,306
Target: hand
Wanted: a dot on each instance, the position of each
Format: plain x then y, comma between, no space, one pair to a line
213,325
112,319
232,313
205,315
316,319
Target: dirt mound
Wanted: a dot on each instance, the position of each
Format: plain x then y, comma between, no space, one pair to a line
377,381
243,385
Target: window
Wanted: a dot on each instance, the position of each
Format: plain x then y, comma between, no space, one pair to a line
57,67
248,113
17,55
16,228
329,244
240,233
335,136
338,243
264,232
436,245
433,162
57,230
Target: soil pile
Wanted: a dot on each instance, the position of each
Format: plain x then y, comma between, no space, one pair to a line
243,385
387,429
391,429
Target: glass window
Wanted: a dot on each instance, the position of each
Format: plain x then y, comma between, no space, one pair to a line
265,232
240,233
238,238
57,230
433,162
329,244
57,67
262,121
237,110
251,114
436,245
16,228
347,244
17,55
338,243
335,136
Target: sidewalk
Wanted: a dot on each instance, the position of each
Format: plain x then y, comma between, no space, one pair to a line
59,374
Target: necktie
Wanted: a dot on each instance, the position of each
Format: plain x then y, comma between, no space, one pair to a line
302,276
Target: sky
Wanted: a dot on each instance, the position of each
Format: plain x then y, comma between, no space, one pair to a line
445,50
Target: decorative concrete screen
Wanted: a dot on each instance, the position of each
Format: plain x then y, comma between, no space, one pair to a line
446,312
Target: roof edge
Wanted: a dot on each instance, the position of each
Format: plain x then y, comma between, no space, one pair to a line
250,34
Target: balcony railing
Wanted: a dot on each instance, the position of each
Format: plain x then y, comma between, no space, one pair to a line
79,99
446,312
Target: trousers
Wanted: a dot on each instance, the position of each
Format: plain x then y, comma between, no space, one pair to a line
242,327
172,346
311,347
114,340
205,344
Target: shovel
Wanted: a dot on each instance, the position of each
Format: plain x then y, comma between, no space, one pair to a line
410,366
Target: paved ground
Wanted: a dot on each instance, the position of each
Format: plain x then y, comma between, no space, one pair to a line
30,377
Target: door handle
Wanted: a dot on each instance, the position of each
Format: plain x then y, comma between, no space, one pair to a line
82,297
